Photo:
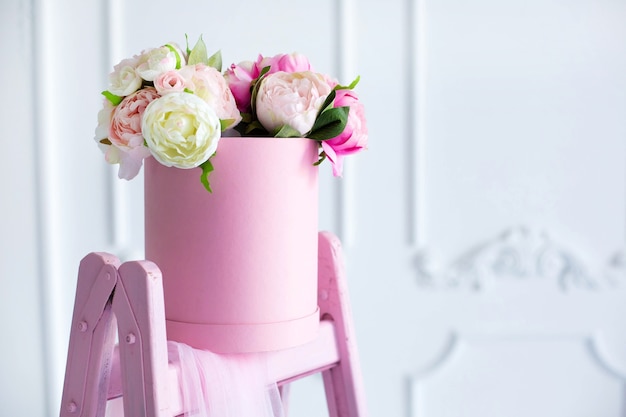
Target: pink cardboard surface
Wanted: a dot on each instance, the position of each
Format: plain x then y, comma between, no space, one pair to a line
239,264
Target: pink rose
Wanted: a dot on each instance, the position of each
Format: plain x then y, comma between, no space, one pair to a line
170,82
125,132
211,86
353,138
292,99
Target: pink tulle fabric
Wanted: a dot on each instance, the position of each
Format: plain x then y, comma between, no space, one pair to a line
213,385
225,385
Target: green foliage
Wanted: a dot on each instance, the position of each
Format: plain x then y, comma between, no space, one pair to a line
287,131
349,87
328,103
187,50
115,100
178,58
322,159
226,123
330,123
207,168
215,61
198,54
255,88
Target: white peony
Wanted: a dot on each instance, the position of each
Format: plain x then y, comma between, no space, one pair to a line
181,130
124,80
159,60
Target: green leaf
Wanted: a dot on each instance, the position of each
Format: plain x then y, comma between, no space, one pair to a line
198,54
115,100
187,50
322,159
176,54
330,123
255,88
226,123
186,90
246,117
215,61
287,131
207,168
105,141
327,103
252,126
349,87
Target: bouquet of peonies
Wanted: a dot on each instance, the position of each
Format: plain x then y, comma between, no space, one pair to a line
175,105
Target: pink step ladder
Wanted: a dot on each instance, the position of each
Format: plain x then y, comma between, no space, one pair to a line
138,368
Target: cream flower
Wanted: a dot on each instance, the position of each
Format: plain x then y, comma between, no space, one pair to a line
159,60
124,80
181,130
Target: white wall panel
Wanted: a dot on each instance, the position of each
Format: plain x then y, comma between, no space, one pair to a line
75,182
382,290
22,375
523,121
573,383
506,127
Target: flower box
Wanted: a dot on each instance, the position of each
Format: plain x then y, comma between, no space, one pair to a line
239,264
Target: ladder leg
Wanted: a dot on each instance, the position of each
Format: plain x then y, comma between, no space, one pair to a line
92,338
140,311
343,383
284,391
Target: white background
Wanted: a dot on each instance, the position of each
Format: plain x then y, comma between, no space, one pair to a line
484,228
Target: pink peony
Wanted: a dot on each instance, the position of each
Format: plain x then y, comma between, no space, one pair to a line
125,132
211,86
125,128
354,136
286,62
292,99
130,160
240,76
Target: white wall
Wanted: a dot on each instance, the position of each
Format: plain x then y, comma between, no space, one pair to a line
22,379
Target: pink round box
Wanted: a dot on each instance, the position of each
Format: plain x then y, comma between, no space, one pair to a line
239,264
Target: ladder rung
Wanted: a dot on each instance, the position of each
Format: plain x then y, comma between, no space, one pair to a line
285,366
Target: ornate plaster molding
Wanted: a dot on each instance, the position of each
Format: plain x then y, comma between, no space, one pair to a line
518,253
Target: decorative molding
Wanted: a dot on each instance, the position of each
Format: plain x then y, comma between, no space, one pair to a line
595,348
519,254
444,358
605,356
615,272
